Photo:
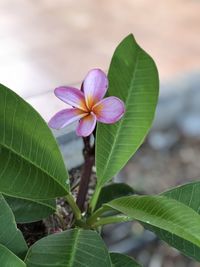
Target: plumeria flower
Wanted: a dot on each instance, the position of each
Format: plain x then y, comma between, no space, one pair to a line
88,106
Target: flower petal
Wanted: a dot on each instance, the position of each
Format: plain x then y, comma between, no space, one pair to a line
71,96
86,125
65,117
109,110
95,86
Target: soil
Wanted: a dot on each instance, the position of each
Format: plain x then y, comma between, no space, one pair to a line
33,231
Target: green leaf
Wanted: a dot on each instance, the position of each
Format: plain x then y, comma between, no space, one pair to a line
73,248
133,77
8,259
31,165
162,212
187,194
119,260
27,211
10,236
112,191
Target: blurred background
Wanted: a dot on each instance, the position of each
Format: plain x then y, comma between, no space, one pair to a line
49,43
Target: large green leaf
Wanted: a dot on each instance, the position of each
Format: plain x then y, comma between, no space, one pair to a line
187,194
27,211
73,248
10,236
162,212
112,191
121,260
8,259
31,165
133,78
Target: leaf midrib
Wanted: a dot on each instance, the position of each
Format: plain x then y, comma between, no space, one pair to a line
77,234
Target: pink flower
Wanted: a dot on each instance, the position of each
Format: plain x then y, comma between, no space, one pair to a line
88,106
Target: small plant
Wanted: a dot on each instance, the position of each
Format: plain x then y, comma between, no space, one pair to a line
33,174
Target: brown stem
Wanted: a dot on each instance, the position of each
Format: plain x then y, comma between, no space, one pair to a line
88,153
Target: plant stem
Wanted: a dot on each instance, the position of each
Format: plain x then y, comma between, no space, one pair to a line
82,224
111,219
88,153
94,198
96,215
74,207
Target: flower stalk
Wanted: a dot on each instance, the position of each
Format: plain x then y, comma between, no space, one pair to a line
88,153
